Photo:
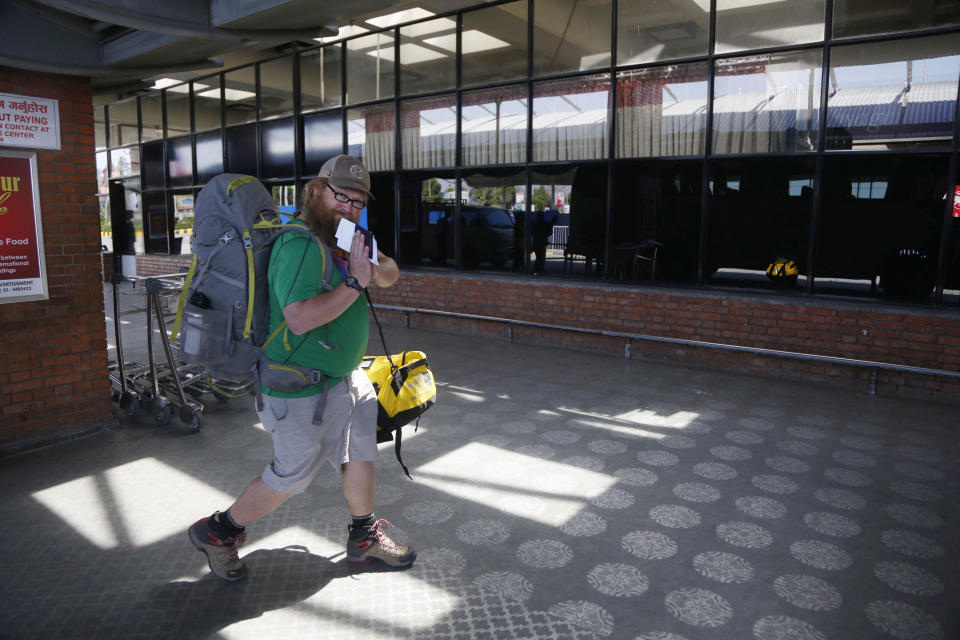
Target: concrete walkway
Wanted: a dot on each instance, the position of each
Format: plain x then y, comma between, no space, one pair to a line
555,494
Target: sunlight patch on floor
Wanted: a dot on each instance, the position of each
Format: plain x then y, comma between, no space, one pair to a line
80,504
499,479
111,510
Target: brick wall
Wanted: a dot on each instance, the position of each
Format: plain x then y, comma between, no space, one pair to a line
928,338
918,337
53,353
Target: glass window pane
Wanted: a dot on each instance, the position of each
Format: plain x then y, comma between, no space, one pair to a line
209,156
153,169
320,85
494,44
284,197
492,220
370,68
102,173
569,35
570,118
427,238
277,147
866,17
123,123
767,103
178,110
429,133
156,223
151,112
379,212
183,222
759,214
240,95
574,197
206,103
100,128
880,223
427,56
180,162
242,149
893,94
662,111
748,24
276,88
370,133
124,162
322,139
494,126
652,30
656,221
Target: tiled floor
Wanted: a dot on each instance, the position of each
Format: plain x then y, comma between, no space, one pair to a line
555,495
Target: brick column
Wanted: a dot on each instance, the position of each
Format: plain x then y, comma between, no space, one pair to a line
53,353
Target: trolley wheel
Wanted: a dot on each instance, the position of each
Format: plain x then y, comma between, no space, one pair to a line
191,418
129,405
194,423
161,415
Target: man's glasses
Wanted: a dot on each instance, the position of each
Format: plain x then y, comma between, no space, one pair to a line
342,197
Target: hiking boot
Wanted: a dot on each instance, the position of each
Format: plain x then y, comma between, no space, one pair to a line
378,546
222,553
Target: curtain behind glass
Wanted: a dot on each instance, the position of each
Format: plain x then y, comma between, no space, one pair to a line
767,103
662,111
428,136
494,126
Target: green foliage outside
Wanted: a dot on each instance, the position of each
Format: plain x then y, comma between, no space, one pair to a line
540,199
494,196
432,189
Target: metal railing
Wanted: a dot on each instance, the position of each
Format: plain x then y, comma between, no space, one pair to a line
875,367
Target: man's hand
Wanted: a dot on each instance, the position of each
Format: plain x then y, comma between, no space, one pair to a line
359,262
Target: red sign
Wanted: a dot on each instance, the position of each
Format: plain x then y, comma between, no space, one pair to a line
956,202
22,274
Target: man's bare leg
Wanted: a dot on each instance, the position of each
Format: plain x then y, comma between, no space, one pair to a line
256,501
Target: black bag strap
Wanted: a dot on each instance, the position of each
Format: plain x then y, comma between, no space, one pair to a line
398,433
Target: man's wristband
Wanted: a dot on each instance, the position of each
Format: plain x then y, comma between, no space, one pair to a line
353,283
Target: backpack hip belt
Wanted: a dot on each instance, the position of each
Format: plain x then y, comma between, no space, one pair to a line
286,377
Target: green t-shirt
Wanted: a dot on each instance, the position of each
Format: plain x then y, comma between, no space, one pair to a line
336,348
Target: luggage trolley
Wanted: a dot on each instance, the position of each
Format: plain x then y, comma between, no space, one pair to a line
160,388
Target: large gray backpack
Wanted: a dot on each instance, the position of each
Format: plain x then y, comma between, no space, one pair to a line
224,312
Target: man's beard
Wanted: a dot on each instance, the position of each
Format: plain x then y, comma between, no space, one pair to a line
324,223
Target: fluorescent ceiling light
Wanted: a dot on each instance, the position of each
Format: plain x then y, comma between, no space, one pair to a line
409,54
368,42
163,83
407,15
344,32
177,86
232,95
430,26
472,41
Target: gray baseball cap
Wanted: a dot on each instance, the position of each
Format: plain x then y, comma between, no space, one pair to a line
346,172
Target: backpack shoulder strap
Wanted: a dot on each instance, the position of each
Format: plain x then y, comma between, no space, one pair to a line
326,259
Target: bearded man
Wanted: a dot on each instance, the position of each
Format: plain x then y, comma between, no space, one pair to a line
333,418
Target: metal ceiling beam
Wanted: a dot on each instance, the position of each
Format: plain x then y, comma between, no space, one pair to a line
103,71
185,19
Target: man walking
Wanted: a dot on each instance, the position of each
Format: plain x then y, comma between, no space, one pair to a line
334,418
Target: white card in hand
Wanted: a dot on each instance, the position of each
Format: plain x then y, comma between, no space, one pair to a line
345,233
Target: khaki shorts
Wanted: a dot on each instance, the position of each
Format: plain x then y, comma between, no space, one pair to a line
345,431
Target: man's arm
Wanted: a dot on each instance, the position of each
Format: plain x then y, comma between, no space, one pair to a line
387,273
323,308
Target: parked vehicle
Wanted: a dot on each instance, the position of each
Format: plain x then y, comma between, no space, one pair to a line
487,234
